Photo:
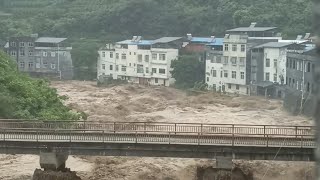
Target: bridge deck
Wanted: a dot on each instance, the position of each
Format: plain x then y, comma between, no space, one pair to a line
158,139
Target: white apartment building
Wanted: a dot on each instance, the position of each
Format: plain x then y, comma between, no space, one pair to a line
273,61
139,61
226,71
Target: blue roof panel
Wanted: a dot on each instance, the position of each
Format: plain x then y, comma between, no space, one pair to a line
142,42
208,40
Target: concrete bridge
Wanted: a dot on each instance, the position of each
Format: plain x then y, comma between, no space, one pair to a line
183,140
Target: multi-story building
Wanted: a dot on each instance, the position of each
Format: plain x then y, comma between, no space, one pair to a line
140,61
41,57
230,70
299,81
268,67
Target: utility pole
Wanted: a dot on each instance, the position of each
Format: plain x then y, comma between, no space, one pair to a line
59,71
302,86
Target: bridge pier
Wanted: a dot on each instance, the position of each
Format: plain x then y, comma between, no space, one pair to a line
53,161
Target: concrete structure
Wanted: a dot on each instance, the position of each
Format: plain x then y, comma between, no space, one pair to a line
140,61
300,81
54,141
41,57
230,69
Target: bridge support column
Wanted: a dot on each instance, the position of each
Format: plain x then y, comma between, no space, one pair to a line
53,161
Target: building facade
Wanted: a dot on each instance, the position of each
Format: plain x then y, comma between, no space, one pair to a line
41,57
226,69
140,61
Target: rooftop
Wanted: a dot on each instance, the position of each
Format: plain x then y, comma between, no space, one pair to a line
50,40
274,45
141,42
251,29
166,39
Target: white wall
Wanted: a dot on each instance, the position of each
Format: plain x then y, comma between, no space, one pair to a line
280,55
131,62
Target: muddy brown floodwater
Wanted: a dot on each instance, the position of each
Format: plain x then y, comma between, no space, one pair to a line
160,104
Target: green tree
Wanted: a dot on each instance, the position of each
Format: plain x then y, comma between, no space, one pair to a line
187,71
24,98
84,56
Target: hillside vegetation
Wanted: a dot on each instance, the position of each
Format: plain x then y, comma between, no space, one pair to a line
24,98
90,24
114,19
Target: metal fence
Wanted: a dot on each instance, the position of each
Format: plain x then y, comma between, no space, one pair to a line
190,138
254,130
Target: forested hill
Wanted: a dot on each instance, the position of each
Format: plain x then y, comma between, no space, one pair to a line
114,19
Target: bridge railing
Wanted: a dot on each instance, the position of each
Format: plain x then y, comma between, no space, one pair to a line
163,127
192,138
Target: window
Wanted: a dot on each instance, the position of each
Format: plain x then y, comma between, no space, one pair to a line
13,53
123,68
44,54
226,60
156,80
147,69
117,55
22,65
229,86
140,68
294,65
243,48
234,61
237,87
241,63
45,64
234,47
21,44
221,74
53,66
226,47
146,58
103,66
290,63
308,87
242,75
214,73
234,74
30,64
289,81
154,70
293,82
162,71
162,57
275,77
275,63
111,54
309,67
13,44
267,62
30,44
207,79
225,74
22,53
30,53
267,76
117,68
123,56
218,59
111,67
103,54
53,54
154,56
140,57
